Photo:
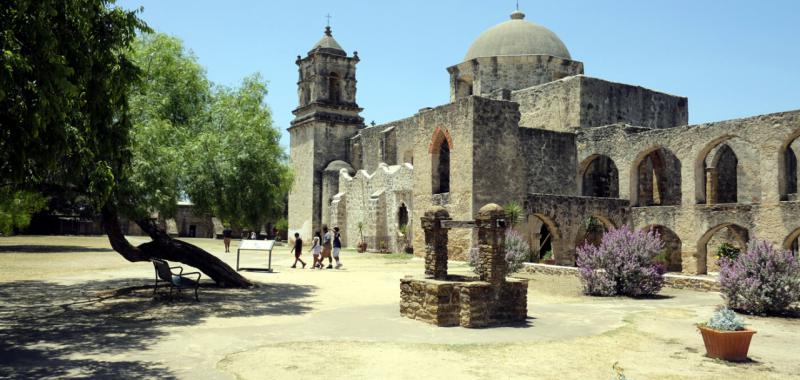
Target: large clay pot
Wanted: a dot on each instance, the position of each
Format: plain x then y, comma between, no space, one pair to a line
727,345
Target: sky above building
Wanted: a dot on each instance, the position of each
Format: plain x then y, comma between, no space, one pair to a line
731,59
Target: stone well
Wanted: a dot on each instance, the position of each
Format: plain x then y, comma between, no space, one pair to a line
447,300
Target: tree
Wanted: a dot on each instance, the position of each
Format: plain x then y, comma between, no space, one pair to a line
85,110
236,168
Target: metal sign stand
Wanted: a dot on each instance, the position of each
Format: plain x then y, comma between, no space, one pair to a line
256,245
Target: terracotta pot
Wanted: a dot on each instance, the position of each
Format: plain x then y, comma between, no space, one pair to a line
727,345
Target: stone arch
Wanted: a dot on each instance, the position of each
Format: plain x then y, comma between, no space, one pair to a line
792,242
599,177
440,148
656,178
672,246
334,88
402,215
788,170
730,233
544,236
726,171
592,229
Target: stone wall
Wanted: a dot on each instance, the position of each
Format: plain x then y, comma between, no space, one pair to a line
548,161
759,144
579,102
482,76
671,280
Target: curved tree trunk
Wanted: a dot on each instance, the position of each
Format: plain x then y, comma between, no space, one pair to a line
165,247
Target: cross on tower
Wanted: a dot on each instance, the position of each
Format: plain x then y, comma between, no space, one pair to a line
328,16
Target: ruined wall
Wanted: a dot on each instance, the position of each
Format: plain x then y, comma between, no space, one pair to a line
759,144
385,143
583,102
374,200
548,161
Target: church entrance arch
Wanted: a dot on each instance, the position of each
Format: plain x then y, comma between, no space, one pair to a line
599,177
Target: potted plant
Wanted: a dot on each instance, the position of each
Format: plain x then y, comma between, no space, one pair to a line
725,336
362,245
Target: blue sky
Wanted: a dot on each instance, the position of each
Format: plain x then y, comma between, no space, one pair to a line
731,59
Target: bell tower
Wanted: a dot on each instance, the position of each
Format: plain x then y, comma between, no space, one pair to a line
326,117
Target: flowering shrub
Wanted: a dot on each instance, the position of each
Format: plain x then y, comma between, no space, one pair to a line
622,264
763,280
517,252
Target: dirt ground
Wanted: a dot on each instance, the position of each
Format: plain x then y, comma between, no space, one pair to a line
71,307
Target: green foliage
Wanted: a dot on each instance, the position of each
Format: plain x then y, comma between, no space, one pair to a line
403,229
728,251
235,167
64,82
547,255
282,224
513,213
16,209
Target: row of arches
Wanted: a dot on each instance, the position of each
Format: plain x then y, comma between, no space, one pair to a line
725,171
546,241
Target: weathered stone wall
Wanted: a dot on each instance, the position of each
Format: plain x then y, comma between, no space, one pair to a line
671,280
758,143
374,200
482,76
185,218
566,218
548,160
577,102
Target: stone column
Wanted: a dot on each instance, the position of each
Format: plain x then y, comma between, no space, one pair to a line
711,186
435,242
491,242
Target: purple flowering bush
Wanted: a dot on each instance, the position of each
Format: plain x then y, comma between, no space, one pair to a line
763,280
623,264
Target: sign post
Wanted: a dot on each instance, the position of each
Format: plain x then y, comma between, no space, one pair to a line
256,245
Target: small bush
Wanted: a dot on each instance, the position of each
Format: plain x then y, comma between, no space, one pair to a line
623,264
517,252
763,280
725,319
727,250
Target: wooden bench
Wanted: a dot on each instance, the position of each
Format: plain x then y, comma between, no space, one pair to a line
177,281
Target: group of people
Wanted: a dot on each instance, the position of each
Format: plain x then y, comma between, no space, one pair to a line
322,247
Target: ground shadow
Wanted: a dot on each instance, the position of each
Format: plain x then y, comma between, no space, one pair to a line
52,330
49,249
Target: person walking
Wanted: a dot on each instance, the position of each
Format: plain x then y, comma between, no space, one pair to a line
327,240
316,248
298,250
226,237
337,246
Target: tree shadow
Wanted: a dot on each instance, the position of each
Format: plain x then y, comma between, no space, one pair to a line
54,330
49,249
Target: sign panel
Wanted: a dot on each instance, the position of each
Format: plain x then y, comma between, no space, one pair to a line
260,245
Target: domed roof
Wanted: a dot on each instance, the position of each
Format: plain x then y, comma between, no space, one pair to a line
517,37
328,44
337,165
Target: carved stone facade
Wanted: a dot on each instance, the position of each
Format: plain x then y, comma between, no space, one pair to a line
583,155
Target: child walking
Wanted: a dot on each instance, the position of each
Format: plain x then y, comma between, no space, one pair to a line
298,250
316,250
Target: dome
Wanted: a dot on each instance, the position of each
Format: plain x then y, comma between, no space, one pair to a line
328,44
336,166
517,37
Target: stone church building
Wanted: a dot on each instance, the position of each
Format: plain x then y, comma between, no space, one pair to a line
580,154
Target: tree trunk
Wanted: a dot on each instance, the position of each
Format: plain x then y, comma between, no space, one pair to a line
165,247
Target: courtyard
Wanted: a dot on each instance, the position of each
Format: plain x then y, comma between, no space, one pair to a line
71,307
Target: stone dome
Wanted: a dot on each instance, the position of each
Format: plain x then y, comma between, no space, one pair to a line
328,44
337,165
517,37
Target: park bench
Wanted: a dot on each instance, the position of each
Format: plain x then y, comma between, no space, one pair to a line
178,281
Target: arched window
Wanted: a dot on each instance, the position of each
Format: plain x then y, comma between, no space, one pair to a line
600,178
441,168
721,238
721,176
402,215
656,180
334,88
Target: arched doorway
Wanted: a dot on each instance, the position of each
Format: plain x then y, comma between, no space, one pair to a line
789,172
544,238
440,148
671,252
599,177
592,229
656,178
792,242
726,236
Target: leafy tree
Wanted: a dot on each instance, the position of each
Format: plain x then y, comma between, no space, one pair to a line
86,109
236,168
16,209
